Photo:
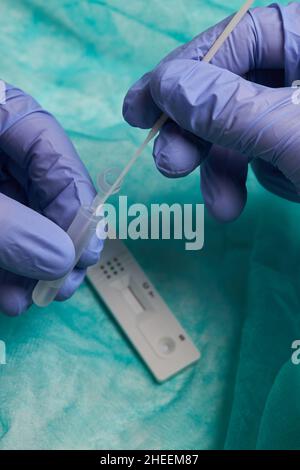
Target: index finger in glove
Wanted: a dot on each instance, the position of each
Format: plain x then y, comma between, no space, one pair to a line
256,43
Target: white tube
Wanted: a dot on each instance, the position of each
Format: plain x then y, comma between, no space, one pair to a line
80,231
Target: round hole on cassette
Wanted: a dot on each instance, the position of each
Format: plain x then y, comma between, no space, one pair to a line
166,346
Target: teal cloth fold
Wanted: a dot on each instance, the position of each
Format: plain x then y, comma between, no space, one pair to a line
71,380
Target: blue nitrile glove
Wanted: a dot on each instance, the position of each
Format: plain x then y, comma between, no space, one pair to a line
42,184
231,112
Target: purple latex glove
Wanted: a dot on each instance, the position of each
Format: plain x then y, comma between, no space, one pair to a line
236,110
42,184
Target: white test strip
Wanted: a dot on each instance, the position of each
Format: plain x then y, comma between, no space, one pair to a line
135,304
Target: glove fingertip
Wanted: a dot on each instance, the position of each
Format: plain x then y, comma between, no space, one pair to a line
90,257
229,204
60,259
139,109
178,153
71,284
14,300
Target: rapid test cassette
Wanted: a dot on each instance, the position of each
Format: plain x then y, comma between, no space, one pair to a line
137,307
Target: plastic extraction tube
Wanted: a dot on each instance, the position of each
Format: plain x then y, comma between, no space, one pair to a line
86,220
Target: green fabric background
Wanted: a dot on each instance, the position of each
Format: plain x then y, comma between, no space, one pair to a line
71,379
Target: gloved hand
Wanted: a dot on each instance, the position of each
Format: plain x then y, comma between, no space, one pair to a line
231,112
42,184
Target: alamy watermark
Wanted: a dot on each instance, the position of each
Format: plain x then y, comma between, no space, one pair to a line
2,92
158,221
296,93
2,353
296,354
